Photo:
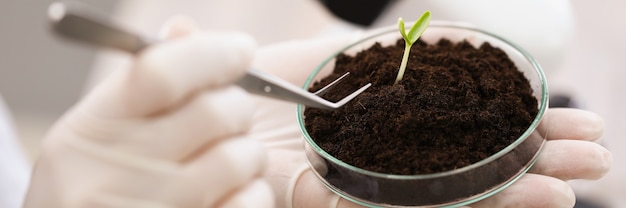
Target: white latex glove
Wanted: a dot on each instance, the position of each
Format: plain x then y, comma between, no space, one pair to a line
569,152
168,132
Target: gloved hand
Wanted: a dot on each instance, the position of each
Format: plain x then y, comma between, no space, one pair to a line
168,132
569,153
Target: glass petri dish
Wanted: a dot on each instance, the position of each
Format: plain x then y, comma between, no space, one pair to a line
445,189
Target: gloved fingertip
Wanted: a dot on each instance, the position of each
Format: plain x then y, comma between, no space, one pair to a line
244,158
256,194
226,55
245,43
176,27
569,123
232,106
568,197
596,124
605,163
180,68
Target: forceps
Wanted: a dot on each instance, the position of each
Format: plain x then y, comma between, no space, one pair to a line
76,23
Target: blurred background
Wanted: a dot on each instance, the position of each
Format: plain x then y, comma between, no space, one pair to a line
578,42
40,77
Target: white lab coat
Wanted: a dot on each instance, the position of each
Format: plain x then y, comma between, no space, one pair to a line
14,165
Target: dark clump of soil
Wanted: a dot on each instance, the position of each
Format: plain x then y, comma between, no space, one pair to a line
455,106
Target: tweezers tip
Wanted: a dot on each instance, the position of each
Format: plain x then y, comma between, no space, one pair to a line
353,94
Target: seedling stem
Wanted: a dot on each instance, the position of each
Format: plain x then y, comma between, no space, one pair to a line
409,38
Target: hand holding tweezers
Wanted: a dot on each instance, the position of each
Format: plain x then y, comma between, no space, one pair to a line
76,23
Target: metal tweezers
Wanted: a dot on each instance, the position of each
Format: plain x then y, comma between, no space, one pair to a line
77,23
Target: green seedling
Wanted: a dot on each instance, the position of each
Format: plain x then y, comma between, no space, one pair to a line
411,37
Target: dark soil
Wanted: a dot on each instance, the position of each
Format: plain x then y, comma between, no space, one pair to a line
455,106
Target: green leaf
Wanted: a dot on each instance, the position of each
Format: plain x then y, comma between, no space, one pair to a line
418,27
402,29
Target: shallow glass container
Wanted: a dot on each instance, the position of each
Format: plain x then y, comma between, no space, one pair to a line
445,189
